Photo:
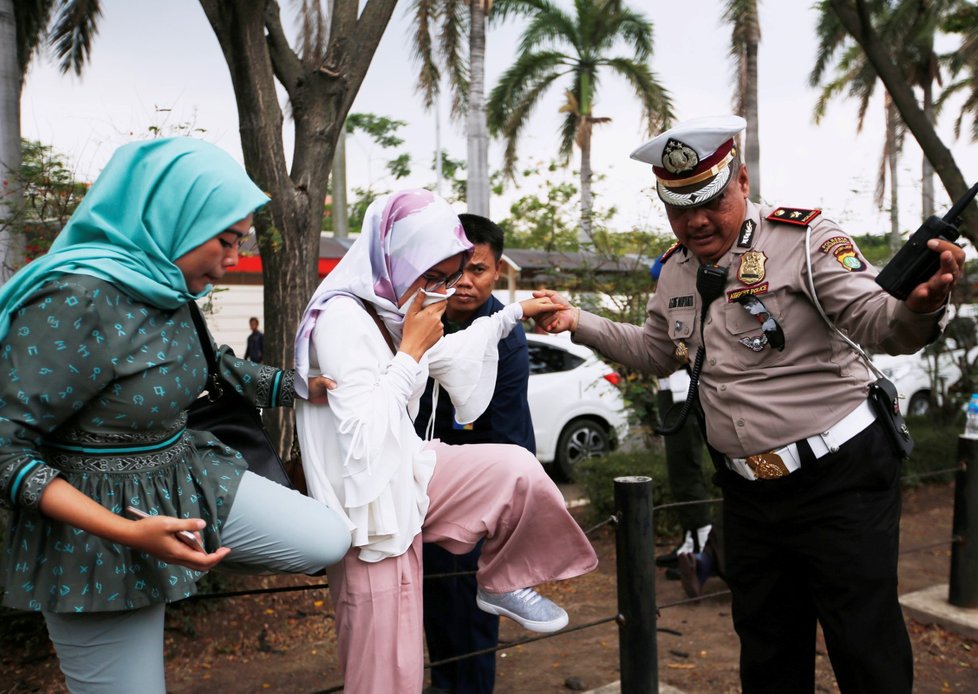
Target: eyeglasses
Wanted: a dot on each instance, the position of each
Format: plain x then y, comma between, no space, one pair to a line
769,326
432,284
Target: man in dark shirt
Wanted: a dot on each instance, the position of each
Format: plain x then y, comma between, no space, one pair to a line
256,343
453,624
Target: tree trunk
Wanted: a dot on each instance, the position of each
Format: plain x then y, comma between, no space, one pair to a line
926,170
341,219
855,18
11,241
586,238
320,94
752,145
892,160
477,182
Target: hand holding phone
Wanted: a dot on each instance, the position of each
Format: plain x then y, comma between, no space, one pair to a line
188,538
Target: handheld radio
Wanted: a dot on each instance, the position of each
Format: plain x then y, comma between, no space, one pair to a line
915,262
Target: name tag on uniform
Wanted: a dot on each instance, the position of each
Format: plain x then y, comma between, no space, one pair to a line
681,301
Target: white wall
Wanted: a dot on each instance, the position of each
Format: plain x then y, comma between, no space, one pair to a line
232,306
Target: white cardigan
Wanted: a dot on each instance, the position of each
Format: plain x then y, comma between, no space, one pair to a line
360,453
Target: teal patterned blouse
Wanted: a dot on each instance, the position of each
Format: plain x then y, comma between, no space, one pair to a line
94,388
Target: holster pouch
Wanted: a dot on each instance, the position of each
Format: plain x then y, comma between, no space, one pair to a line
883,399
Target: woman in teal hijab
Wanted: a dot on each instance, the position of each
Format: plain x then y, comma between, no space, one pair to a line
101,360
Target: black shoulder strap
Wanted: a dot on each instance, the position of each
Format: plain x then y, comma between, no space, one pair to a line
213,379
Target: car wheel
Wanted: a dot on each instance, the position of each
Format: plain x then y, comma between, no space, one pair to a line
919,404
581,439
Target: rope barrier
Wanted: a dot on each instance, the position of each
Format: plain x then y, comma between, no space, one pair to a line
11,615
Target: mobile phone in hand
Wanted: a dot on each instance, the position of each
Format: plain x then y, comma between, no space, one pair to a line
185,536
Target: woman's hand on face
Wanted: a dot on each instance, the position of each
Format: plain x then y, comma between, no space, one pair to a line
422,327
157,536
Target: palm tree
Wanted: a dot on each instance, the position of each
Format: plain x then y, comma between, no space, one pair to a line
865,22
579,47
962,18
466,78
744,40
857,78
23,26
910,25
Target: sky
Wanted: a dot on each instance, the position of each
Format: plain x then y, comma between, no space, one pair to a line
159,64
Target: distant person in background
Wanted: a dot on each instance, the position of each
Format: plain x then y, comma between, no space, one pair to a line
256,342
453,624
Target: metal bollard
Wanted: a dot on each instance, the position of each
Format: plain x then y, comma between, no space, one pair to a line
963,584
634,543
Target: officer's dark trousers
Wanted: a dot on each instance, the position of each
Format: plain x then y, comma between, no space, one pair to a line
684,463
454,625
820,544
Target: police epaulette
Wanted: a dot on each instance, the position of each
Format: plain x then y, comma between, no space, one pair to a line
669,252
794,215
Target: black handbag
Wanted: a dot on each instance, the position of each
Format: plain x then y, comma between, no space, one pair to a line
235,421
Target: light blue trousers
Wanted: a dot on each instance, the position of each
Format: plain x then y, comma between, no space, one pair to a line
270,529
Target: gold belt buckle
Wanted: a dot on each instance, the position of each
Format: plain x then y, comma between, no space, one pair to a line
767,466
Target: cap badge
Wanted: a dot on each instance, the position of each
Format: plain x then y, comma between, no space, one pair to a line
751,270
678,157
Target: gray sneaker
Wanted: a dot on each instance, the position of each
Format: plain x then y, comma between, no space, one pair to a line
526,607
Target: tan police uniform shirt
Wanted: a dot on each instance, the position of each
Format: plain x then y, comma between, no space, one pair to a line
757,401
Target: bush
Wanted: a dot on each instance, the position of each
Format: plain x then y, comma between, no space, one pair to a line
597,476
935,450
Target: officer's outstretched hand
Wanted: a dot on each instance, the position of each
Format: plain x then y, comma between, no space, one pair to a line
557,321
933,294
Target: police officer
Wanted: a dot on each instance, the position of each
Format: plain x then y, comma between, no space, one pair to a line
809,475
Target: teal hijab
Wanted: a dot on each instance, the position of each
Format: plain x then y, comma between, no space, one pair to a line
153,202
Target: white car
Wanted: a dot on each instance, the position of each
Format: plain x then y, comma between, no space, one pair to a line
577,409
915,378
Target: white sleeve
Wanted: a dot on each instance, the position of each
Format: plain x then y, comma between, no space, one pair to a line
464,363
370,400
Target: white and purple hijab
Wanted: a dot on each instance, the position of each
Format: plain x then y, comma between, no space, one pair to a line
404,234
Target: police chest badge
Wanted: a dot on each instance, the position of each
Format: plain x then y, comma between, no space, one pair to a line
751,270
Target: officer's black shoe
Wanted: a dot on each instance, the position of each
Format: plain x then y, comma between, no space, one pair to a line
672,558
669,560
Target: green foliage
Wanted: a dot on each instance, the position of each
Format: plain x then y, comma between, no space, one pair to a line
543,220
597,477
50,195
875,248
382,132
935,449
381,129
453,173
933,461
598,38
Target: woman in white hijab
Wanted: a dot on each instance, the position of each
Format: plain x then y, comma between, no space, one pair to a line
367,328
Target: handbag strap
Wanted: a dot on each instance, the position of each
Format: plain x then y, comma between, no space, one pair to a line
213,379
380,325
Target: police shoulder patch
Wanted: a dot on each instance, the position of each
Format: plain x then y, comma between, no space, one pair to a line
794,215
670,252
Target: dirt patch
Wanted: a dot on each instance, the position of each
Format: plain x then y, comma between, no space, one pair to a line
285,642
